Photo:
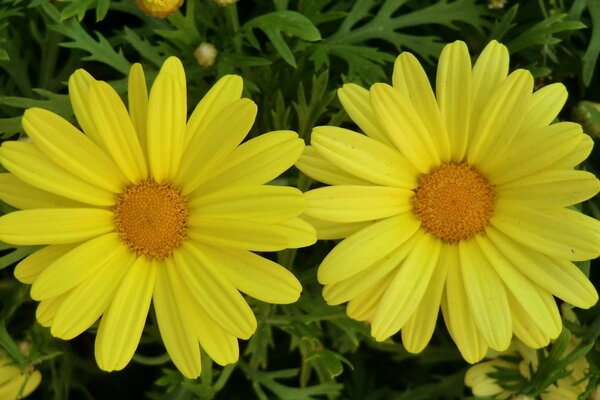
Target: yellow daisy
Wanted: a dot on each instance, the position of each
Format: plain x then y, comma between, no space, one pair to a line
458,199
14,383
159,8
146,207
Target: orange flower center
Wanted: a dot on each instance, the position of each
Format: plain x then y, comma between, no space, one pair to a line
151,217
454,202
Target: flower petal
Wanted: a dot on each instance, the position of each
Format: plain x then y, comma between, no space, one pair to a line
501,119
227,90
407,288
219,344
454,95
87,301
327,230
137,100
482,385
32,166
75,266
410,78
526,331
209,147
405,127
71,149
114,126
562,233
340,292
544,106
559,277
254,275
357,104
346,203
486,296
363,157
257,161
457,314
298,232
576,156
48,308
553,188
54,225
419,328
31,266
533,307
122,324
490,69
534,152
257,203
79,84
19,194
21,385
364,306
219,298
171,313
314,165
167,114
366,247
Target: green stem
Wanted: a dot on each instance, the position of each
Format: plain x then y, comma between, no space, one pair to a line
234,25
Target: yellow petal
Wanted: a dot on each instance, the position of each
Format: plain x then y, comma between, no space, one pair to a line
48,308
21,385
75,266
314,165
137,96
31,266
19,194
116,130
419,328
562,233
32,166
340,292
363,157
122,324
405,127
89,300
298,232
577,155
366,247
526,331
534,152
217,296
559,277
532,303
167,114
357,104
551,188
227,90
544,106
219,344
215,143
454,95
327,230
501,119
54,225
406,289
73,151
346,203
457,314
364,306
489,71
477,377
79,84
410,78
268,204
254,275
171,313
486,296
257,161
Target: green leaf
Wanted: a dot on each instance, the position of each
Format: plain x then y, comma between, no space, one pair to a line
75,8
278,22
542,33
12,254
102,9
590,57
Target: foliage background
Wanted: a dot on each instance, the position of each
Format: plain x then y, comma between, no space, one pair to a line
293,54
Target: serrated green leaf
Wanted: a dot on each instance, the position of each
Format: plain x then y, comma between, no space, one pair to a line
542,33
75,8
592,52
102,9
282,22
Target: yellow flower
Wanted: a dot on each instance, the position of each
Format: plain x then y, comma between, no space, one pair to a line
523,359
159,8
456,199
14,383
146,207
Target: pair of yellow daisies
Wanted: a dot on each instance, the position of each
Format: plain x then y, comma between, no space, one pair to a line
460,199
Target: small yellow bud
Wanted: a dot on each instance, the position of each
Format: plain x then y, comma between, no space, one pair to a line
206,54
224,3
159,8
581,114
496,4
